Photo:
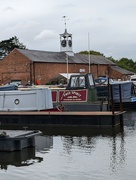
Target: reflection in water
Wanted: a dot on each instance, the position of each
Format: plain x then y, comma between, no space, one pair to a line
118,152
24,157
69,130
77,153
89,143
86,139
27,156
83,138
43,143
130,119
85,143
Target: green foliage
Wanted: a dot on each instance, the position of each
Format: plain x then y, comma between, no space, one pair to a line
111,59
124,63
91,52
6,46
128,64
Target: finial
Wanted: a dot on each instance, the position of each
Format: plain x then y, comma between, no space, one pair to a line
65,21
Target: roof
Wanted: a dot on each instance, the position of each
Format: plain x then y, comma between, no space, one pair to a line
62,78
60,57
121,70
66,33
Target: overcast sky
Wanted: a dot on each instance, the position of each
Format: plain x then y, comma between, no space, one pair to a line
110,24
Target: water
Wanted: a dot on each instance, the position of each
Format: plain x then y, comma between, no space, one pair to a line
76,154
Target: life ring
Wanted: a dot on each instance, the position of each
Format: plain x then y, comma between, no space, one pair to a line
16,101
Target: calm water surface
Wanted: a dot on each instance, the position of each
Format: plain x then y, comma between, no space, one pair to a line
76,154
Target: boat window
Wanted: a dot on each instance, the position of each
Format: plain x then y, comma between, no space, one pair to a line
78,81
74,82
81,81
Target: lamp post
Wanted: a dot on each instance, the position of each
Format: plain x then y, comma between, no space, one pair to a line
67,66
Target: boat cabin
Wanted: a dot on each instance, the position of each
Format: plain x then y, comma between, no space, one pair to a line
80,89
84,81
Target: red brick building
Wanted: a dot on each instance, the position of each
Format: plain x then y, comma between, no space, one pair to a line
40,67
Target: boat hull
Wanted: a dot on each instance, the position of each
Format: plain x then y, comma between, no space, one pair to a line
26,100
77,100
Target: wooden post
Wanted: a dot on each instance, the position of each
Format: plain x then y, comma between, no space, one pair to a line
121,120
113,121
112,101
120,98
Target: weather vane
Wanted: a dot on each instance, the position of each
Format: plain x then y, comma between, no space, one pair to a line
65,20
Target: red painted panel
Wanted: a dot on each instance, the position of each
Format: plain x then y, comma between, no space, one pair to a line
54,96
73,95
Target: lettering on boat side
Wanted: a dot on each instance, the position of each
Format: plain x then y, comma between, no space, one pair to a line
72,94
79,95
76,93
66,93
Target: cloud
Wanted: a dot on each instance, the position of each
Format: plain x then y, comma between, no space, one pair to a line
111,24
49,34
9,9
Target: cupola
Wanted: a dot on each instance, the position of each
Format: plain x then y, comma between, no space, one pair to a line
66,44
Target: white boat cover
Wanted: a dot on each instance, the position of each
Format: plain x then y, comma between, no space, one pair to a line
26,100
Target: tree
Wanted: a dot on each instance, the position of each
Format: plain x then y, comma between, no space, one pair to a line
6,46
124,63
128,64
91,52
112,59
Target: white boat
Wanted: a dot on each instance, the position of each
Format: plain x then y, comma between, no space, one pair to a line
30,99
133,79
8,87
83,94
79,95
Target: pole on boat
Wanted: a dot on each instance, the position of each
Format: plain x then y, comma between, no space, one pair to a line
67,66
89,50
65,23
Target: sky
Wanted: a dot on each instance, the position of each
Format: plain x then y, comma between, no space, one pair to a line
106,26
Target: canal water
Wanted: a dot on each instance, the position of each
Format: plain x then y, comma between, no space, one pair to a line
75,153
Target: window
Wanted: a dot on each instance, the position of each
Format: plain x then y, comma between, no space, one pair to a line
78,81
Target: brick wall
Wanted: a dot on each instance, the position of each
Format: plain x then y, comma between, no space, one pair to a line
16,66
46,71
116,75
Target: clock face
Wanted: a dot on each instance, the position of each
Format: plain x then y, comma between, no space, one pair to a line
63,43
70,43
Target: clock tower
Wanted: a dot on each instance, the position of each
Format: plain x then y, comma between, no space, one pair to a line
66,41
